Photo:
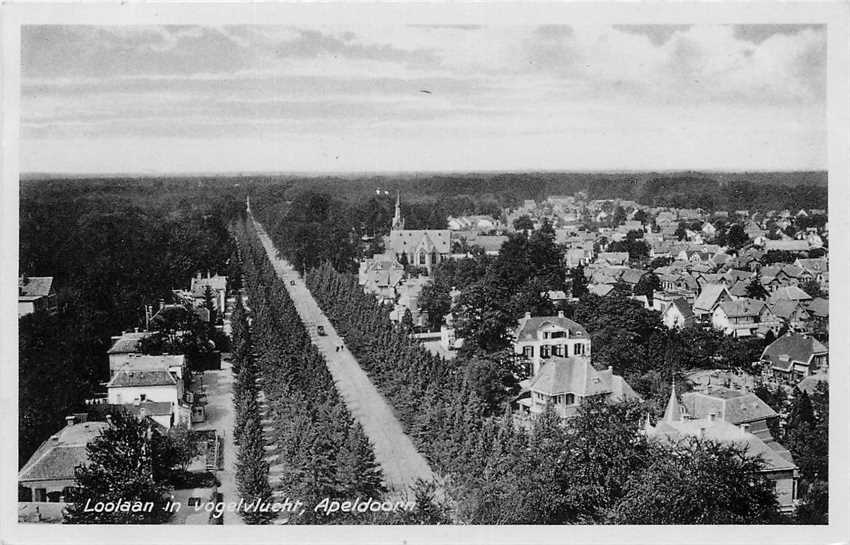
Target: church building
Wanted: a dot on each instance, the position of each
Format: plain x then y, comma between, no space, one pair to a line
417,247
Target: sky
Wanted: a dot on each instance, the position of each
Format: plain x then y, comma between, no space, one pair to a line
180,99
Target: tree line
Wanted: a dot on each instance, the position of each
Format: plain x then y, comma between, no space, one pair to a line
324,453
596,468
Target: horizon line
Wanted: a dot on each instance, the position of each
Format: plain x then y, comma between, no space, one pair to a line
349,173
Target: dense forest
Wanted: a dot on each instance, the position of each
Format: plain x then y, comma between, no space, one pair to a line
112,247
325,218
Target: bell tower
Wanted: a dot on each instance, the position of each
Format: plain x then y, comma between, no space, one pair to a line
398,221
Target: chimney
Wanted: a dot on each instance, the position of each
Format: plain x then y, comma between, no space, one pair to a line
135,330
109,419
70,420
528,315
745,428
712,417
560,314
161,304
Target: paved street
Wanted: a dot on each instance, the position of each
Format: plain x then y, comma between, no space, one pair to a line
401,463
220,417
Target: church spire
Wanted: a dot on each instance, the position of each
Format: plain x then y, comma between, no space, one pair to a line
673,412
398,221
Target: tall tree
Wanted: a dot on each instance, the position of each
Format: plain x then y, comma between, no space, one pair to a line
122,467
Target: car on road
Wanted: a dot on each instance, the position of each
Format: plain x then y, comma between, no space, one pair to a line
292,282
321,330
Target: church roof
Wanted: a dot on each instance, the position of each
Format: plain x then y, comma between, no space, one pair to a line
409,240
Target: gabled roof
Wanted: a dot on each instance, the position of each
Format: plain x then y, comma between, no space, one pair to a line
742,308
683,307
408,240
529,326
708,296
57,457
35,286
155,377
786,309
789,293
819,307
632,276
790,348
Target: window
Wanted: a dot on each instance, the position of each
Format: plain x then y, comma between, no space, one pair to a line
422,259
544,351
559,334
558,350
528,351
578,349
142,397
570,399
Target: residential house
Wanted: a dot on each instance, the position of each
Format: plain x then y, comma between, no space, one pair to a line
710,296
744,318
789,293
795,356
539,338
813,268
128,386
216,283
563,382
35,294
678,314
49,473
737,407
145,362
613,258
792,313
381,275
408,299
779,466
787,245
602,290
479,223
126,346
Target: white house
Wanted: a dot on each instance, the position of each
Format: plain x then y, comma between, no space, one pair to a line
128,386
678,314
539,338
563,383
744,318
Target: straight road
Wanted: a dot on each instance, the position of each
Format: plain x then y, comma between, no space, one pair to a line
401,463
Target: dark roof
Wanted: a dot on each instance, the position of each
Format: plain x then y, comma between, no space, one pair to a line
150,408
734,406
35,286
125,379
57,457
789,293
790,348
528,327
683,307
819,307
128,343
